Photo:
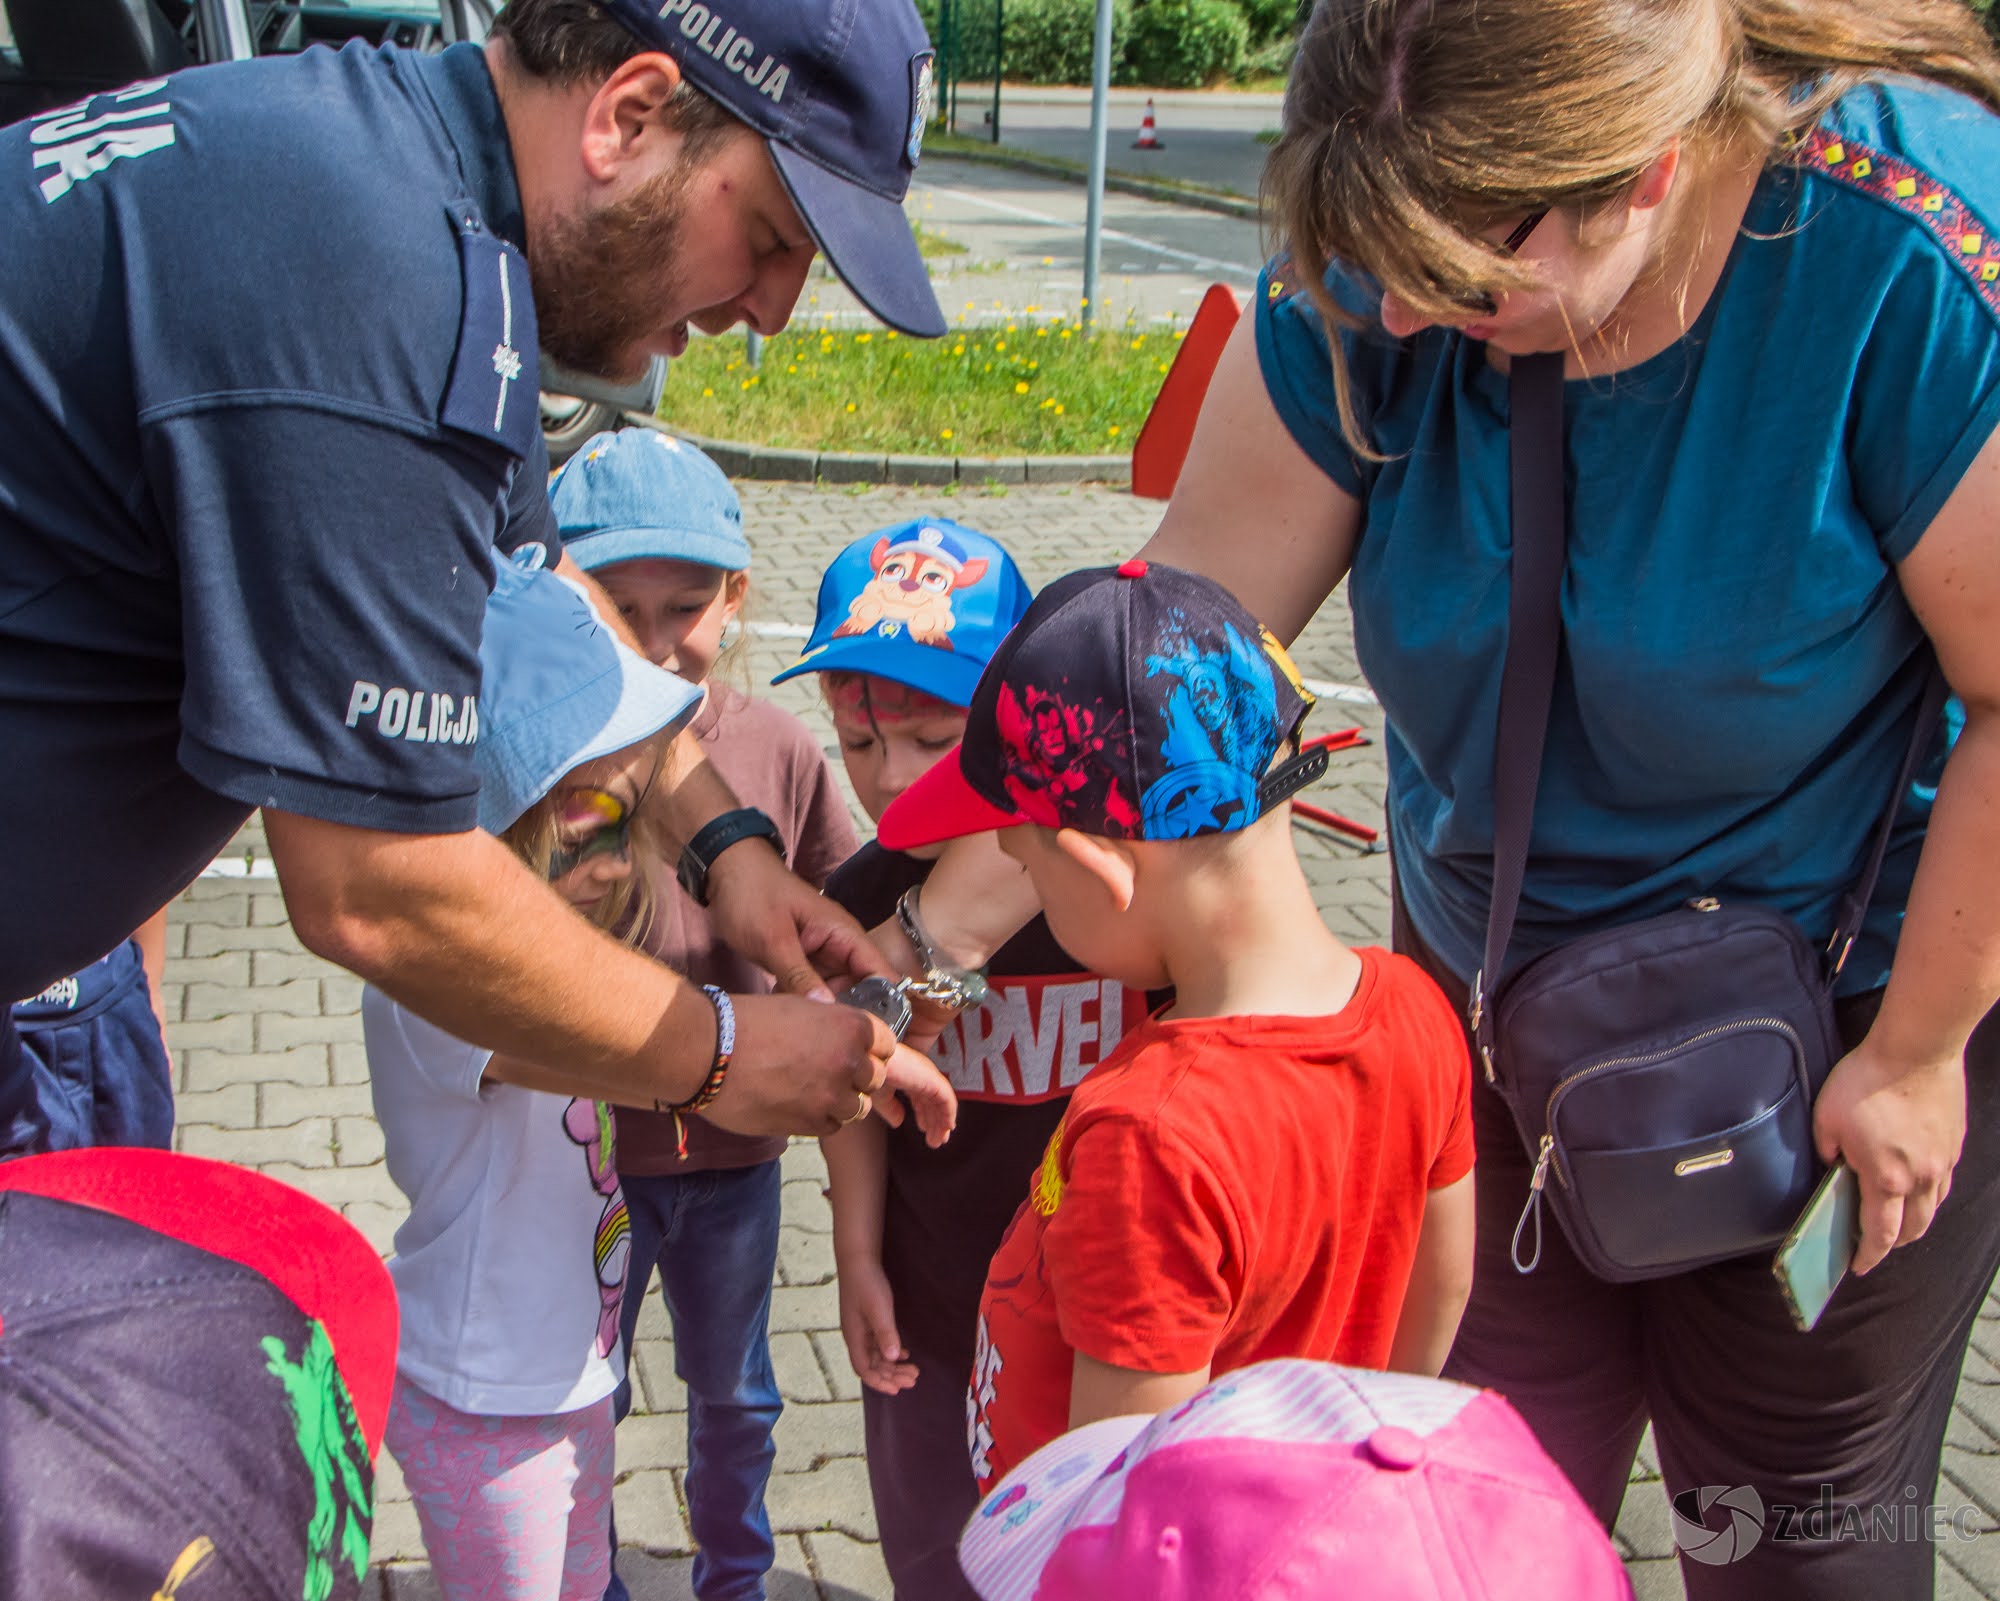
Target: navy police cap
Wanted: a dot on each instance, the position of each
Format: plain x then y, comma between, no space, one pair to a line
842,90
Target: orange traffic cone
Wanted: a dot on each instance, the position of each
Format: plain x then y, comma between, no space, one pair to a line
1149,138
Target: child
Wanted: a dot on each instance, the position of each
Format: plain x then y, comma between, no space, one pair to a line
656,523
510,1269
907,619
1278,1165
1291,1479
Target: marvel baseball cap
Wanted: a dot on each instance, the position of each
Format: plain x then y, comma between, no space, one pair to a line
638,494
195,1369
842,91
557,689
1131,702
1292,1481
924,603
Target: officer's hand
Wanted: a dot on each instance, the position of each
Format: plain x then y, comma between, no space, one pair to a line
769,915
803,1067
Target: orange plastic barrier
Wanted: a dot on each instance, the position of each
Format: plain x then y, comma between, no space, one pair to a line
1163,442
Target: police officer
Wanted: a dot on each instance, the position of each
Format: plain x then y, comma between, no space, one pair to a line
268,346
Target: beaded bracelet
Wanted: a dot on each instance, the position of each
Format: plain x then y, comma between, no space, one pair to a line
725,1049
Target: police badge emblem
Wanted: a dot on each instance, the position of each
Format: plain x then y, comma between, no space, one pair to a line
923,100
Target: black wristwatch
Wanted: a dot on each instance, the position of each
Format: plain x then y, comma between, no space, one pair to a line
713,838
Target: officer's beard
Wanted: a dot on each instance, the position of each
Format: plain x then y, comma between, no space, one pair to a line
600,277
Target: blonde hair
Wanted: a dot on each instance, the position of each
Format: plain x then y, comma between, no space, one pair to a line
1411,124
628,909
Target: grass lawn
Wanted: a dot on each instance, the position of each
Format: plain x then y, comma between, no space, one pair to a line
1027,386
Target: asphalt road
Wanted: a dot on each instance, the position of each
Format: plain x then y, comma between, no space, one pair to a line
1207,137
1023,239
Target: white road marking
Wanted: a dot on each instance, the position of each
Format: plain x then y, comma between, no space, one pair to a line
1027,214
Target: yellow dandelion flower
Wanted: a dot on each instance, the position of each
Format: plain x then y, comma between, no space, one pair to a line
708,394
791,371
958,350
862,339
944,433
1065,333
1048,261
1113,429
1033,365
1059,410
1033,309
1021,388
891,334
850,405
1041,333
999,344
1138,342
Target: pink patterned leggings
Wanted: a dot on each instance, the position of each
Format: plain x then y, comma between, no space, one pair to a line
516,1509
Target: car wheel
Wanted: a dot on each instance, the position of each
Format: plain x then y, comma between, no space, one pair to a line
567,422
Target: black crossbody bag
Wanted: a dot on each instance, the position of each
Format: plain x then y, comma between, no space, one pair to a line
1661,1074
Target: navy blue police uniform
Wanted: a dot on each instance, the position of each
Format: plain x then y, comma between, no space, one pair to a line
267,408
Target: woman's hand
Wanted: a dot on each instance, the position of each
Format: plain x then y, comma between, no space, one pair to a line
868,1325
1900,1127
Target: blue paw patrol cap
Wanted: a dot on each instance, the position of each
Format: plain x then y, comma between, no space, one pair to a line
1133,702
638,494
924,603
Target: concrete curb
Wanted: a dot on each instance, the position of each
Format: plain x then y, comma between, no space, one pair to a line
772,464
1145,188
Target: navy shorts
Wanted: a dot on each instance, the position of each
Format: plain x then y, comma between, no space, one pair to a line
100,1069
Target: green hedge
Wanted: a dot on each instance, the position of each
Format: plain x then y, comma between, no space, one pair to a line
1183,44
1157,43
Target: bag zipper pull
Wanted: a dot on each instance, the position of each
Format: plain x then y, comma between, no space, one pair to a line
1533,1209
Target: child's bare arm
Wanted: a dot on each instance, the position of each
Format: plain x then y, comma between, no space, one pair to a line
1440,1282
1099,1390
857,1171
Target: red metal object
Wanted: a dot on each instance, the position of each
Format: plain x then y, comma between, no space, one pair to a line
1336,822
1164,438
1339,739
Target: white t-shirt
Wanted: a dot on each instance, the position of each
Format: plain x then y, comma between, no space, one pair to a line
511,1266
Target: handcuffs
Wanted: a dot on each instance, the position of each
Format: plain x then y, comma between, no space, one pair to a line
942,982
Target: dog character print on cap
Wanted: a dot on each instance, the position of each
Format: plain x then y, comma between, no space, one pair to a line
912,587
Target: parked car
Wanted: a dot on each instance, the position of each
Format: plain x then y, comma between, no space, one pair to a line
53,52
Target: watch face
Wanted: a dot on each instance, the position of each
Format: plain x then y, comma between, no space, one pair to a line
884,999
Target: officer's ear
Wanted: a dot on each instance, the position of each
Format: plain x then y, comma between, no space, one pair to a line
627,121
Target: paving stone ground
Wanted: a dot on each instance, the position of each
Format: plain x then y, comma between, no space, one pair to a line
272,1074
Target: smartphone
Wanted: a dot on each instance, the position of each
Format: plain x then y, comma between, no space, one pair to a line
1814,1257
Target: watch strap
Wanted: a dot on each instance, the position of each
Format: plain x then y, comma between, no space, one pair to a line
716,836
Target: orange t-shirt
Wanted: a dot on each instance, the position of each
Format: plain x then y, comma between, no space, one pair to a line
1222,1191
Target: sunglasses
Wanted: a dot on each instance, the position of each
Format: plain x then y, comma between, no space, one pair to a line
606,817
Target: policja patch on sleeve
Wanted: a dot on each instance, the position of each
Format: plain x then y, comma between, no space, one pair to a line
495,375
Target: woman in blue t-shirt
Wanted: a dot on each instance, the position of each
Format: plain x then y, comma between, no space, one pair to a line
1762,233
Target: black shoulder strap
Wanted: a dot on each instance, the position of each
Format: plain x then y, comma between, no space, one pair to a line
1534,630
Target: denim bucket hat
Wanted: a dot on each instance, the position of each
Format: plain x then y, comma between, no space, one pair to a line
558,689
638,494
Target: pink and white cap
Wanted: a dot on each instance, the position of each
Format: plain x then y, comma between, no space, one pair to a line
1289,1480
